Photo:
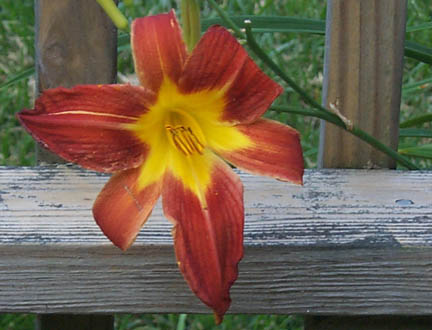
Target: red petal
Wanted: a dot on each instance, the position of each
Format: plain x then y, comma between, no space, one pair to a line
276,152
208,242
85,124
121,208
158,49
220,62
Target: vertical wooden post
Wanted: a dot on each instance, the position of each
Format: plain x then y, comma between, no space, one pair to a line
363,75
362,79
76,43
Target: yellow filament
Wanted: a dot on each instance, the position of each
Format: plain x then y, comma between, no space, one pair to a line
184,133
184,140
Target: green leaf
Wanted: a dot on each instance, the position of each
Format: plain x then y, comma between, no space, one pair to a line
24,74
420,27
415,132
417,86
416,121
273,24
418,52
123,39
424,151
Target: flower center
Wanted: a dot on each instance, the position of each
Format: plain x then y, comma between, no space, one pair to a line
184,133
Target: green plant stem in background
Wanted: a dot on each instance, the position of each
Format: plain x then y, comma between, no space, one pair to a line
334,119
181,322
115,14
23,74
415,132
190,18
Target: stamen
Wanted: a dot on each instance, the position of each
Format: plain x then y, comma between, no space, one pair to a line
184,139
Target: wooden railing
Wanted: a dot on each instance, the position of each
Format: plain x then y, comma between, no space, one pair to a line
348,243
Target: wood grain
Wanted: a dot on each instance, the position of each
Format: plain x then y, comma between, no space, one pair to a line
76,44
363,79
347,242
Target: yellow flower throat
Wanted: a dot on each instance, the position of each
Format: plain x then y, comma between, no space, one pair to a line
174,127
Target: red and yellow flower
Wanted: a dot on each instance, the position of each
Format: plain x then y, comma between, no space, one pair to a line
167,138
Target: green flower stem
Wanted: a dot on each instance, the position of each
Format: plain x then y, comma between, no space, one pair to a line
181,324
334,119
115,14
190,15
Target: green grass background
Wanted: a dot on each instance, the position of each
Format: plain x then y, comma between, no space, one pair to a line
300,55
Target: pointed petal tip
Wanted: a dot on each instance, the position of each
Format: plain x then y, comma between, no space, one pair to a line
275,151
296,181
218,318
122,207
296,177
117,241
208,242
121,242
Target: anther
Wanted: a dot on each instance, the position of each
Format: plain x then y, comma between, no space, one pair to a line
184,140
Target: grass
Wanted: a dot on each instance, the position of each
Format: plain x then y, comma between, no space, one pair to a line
301,56
16,53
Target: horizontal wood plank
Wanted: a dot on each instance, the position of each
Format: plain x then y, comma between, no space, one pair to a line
347,242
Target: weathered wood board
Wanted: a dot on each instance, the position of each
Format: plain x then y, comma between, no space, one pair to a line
347,242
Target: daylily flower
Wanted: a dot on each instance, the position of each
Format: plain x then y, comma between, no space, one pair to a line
167,138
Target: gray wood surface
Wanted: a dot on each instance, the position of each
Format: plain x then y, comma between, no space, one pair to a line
347,242
363,79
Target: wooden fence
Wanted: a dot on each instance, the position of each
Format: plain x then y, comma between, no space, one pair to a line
352,249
